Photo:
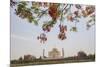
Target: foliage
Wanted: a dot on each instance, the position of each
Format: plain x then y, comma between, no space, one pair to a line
34,11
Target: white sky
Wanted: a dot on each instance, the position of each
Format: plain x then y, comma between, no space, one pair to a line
24,38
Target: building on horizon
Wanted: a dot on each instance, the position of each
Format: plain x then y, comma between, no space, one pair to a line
54,54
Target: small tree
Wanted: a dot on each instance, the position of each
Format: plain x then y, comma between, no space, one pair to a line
20,59
82,55
91,56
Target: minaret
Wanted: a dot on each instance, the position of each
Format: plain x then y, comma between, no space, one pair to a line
63,52
43,53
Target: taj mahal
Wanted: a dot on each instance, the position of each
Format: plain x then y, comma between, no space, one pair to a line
54,54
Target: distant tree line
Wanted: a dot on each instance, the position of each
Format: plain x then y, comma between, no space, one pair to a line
32,59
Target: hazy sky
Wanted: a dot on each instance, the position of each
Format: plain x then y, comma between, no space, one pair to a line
24,38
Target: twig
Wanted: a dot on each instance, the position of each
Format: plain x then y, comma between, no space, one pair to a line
66,7
43,12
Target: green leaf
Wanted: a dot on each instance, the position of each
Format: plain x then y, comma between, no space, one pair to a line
44,25
33,7
36,10
35,22
74,29
23,3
